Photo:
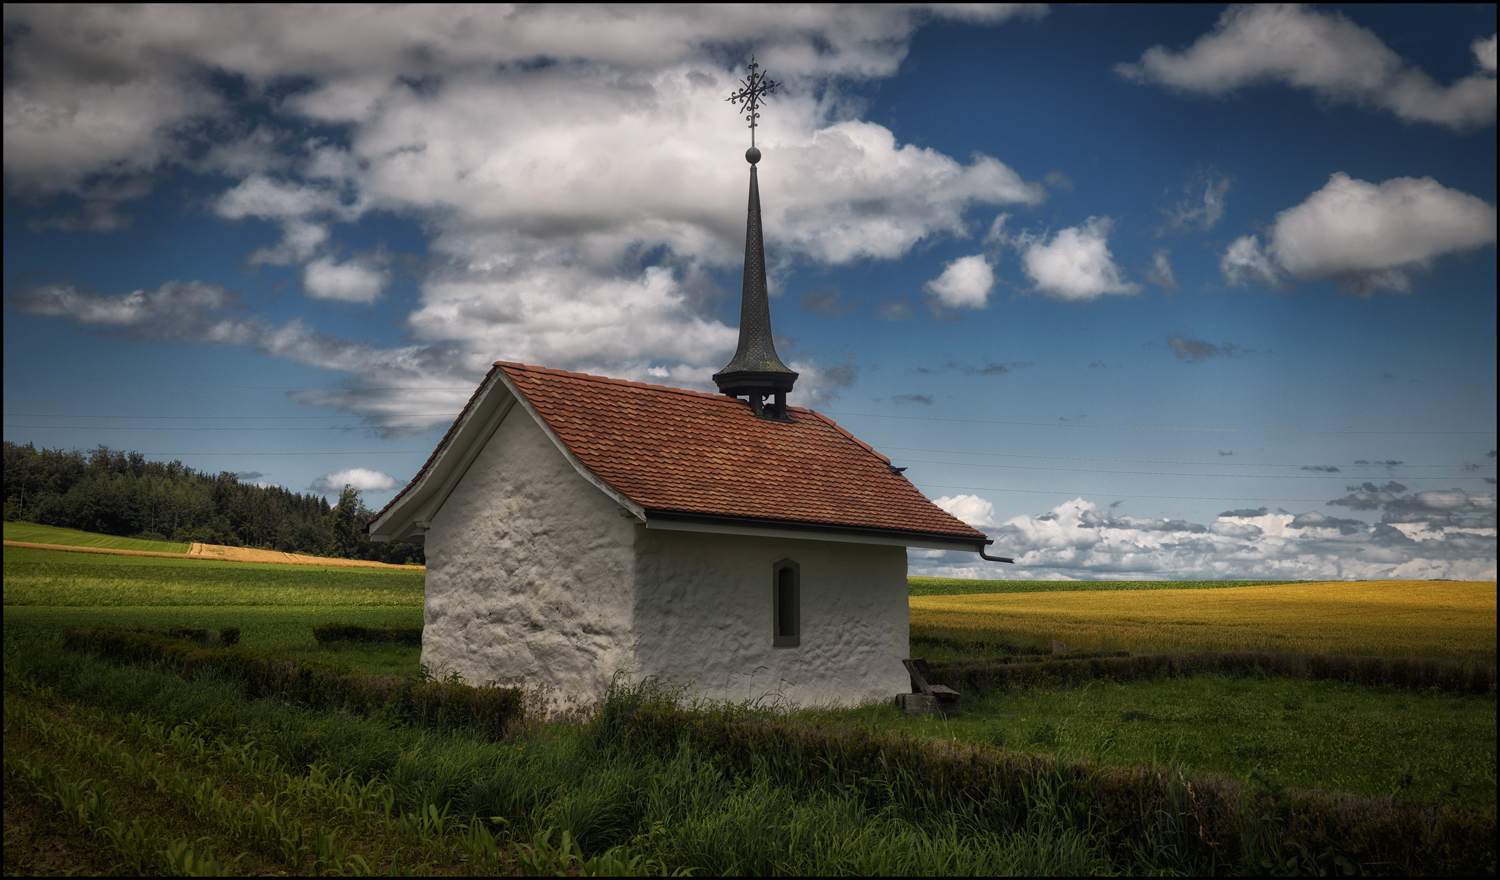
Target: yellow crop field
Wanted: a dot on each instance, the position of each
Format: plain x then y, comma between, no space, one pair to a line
1380,618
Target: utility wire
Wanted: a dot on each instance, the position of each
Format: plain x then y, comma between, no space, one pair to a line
1121,494
826,412
313,428
901,448
1140,427
469,388
1160,461
1024,467
66,416
381,452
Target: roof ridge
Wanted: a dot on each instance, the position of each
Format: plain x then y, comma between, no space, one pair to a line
722,398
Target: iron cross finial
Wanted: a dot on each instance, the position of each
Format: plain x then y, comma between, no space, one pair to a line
756,87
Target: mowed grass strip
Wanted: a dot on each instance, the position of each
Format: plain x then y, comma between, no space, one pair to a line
59,578
1373,618
39,534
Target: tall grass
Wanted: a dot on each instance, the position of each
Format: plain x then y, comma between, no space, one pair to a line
682,808
645,785
1422,745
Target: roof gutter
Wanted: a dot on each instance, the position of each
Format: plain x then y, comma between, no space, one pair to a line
675,521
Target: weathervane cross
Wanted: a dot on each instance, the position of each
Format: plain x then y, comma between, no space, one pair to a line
756,87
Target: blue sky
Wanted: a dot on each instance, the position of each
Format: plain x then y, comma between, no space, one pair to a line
1145,292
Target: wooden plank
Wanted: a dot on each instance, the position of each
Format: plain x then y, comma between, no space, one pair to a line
918,683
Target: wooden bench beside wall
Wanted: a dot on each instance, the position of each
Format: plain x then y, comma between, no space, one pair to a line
926,699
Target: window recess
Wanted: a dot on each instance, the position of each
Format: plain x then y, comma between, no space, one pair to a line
786,604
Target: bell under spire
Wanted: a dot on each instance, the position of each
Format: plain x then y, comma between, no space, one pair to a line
756,372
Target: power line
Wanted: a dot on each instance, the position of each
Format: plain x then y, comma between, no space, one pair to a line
902,448
1121,494
1139,427
272,387
381,452
1403,465
144,428
1159,461
66,416
1024,467
826,412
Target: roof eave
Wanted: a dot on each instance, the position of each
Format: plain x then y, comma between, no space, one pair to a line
772,528
407,516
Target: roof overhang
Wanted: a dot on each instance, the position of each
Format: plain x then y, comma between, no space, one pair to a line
409,516
765,528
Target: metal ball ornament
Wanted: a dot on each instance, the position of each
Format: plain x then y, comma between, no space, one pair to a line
752,155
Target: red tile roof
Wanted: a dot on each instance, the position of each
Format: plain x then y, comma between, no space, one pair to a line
674,451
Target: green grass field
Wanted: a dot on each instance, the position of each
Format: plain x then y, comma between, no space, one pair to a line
91,580
1274,732
1333,736
40,534
275,606
90,745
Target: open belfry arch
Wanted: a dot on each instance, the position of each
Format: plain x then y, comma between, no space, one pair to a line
579,526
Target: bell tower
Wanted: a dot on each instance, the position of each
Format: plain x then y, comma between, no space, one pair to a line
756,372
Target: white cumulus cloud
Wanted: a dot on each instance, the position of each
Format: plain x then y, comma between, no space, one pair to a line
972,509
1365,236
577,211
355,478
1075,264
1326,53
1368,236
965,283
1245,260
265,197
352,281
1427,535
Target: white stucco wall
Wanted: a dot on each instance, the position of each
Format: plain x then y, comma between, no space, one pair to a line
703,614
534,577
530,573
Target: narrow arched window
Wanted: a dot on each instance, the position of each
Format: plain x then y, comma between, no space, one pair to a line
786,604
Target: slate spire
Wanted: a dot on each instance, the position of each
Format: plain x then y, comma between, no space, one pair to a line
755,371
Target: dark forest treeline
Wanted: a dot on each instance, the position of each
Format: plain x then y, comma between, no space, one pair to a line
121,493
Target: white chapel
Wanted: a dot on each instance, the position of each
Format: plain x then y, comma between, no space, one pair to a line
577,527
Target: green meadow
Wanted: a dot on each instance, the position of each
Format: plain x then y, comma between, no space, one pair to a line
1275,733
474,807
275,606
91,580
35,533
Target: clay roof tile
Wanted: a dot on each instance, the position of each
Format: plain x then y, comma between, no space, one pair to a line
671,450
676,451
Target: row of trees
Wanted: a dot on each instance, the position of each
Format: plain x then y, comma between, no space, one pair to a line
122,493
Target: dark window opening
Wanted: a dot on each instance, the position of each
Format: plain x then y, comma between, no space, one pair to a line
786,604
